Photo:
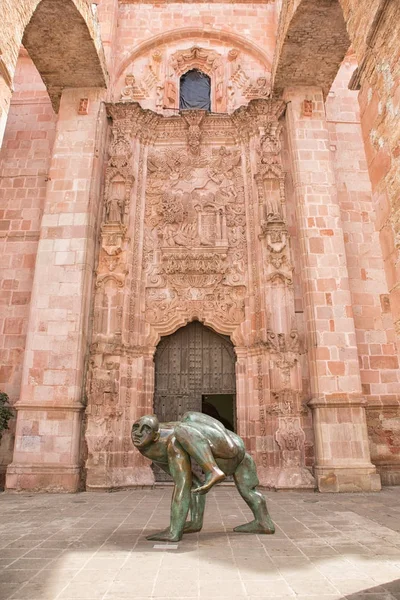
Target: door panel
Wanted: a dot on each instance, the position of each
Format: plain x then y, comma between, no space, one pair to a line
191,362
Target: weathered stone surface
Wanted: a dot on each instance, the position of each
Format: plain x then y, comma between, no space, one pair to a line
62,38
312,42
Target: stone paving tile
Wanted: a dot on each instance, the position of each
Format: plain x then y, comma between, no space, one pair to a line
93,547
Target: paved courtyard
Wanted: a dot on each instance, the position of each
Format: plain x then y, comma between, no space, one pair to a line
92,546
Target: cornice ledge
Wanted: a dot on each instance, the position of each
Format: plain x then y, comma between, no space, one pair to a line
337,401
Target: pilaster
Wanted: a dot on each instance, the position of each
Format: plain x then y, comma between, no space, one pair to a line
342,453
48,432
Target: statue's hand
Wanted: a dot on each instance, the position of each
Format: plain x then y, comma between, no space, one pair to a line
164,536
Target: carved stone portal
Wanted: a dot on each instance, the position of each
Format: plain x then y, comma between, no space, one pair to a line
194,229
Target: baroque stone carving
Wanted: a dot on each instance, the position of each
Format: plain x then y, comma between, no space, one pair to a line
283,342
290,438
193,119
103,411
132,91
204,59
195,243
115,208
260,88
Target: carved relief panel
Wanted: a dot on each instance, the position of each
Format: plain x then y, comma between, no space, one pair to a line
195,242
194,228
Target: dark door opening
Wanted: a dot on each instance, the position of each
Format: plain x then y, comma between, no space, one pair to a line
194,370
221,407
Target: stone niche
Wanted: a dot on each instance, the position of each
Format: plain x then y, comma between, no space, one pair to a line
194,228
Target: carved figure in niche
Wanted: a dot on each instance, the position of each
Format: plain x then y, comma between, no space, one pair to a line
219,91
170,94
272,208
194,119
218,451
114,210
193,138
270,148
159,96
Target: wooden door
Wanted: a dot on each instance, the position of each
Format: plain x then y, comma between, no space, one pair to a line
190,363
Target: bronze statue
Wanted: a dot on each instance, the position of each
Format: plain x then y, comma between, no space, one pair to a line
217,451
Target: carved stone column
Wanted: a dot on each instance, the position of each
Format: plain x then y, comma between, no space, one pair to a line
119,363
276,340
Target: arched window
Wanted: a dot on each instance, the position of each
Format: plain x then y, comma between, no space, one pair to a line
195,90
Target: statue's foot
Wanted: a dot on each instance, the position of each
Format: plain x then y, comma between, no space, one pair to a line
191,527
256,527
163,536
215,476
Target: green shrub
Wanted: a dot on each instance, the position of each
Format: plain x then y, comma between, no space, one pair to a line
5,413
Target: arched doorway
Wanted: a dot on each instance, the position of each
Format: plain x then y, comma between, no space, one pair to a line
195,370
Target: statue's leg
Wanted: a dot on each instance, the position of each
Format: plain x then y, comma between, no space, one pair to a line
198,447
197,507
246,482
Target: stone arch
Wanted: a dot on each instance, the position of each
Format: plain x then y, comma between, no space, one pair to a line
156,331
185,33
312,43
61,37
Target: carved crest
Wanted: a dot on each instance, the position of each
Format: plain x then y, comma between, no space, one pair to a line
195,57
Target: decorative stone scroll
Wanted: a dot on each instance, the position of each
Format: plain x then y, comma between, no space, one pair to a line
195,57
132,91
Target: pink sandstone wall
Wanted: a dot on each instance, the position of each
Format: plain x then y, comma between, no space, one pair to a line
24,168
140,22
376,339
338,263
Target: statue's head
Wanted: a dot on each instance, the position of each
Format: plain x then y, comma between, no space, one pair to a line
145,431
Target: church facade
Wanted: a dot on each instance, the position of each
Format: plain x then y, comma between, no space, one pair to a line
199,231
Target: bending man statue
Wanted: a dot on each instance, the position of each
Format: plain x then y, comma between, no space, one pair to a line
217,451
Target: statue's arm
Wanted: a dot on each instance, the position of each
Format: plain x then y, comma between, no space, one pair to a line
181,470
